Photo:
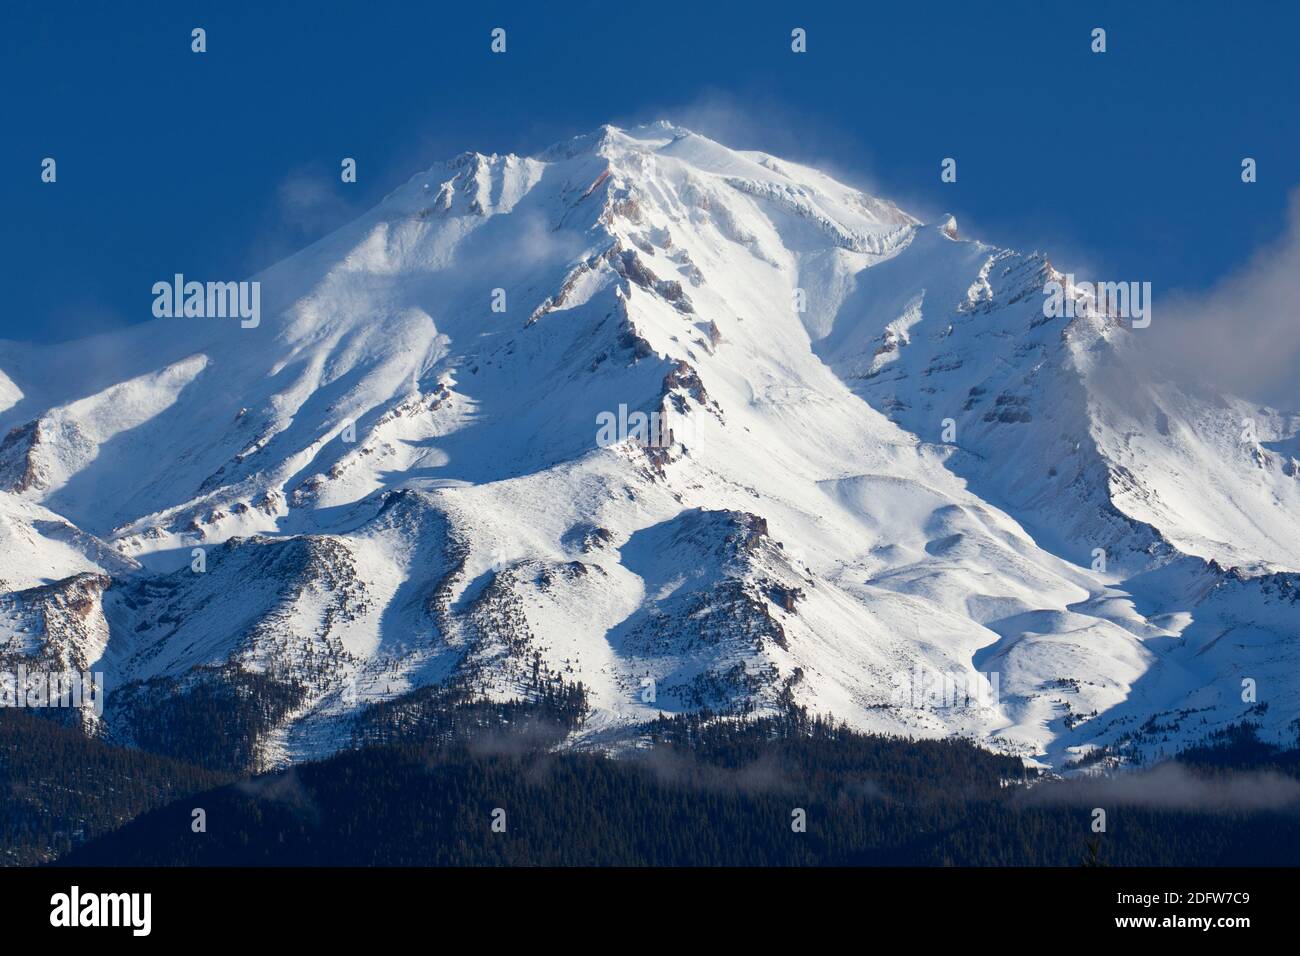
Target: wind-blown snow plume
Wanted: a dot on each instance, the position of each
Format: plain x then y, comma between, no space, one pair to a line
1241,335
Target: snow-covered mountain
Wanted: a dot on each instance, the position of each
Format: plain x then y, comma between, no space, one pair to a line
873,457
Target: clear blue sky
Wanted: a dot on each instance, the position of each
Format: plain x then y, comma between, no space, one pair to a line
216,165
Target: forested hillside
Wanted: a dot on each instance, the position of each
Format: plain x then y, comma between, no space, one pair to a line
703,791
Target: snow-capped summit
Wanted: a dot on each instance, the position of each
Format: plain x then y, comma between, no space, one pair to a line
694,426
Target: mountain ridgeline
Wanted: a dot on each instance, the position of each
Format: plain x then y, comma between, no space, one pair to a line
640,428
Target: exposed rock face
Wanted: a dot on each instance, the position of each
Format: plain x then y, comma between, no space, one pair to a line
19,466
57,631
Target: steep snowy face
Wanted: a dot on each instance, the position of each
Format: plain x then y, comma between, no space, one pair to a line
692,426
1061,418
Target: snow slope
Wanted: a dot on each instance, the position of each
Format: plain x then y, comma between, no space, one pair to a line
878,455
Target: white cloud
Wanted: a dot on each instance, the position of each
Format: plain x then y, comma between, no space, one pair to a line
1243,335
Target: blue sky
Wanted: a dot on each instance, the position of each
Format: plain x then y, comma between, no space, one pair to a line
1125,164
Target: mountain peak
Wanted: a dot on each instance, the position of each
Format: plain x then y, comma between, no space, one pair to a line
659,409
608,138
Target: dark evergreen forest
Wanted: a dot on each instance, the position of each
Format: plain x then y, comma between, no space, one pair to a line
443,780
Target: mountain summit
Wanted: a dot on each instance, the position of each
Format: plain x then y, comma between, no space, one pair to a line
667,426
